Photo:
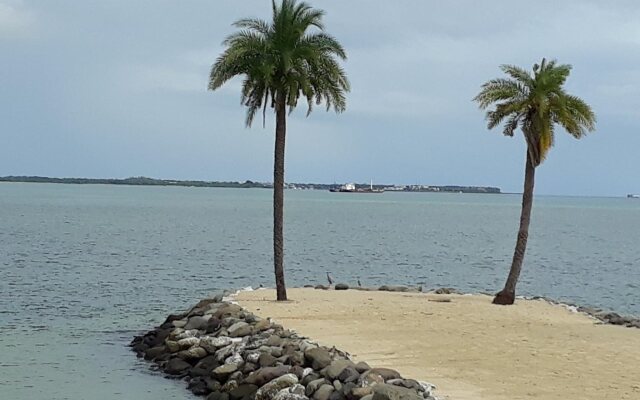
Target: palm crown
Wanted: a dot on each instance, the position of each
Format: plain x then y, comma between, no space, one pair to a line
282,61
535,102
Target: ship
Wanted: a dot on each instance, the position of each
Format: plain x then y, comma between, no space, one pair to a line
351,188
633,196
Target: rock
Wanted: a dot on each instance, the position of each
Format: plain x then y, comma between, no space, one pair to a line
266,360
174,317
393,288
249,367
188,342
239,329
176,366
368,397
264,375
296,389
181,323
337,384
212,344
225,352
342,286
198,386
323,392
191,333
204,366
269,390
389,392
348,374
386,373
321,287
337,395
212,325
274,340
212,384
197,322
172,347
446,290
360,392
230,385
262,325
234,359
336,367
287,394
297,358
243,392
318,357
314,385
227,310
369,379
347,388
222,372
217,395
361,367
154,352
407,383
194,353
310,378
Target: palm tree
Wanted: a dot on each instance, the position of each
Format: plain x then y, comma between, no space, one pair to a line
281,61
536,103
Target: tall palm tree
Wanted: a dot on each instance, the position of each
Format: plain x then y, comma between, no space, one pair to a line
281,61
536,102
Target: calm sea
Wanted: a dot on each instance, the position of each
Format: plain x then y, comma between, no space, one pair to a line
83,268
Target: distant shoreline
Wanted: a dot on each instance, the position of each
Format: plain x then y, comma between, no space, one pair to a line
144,181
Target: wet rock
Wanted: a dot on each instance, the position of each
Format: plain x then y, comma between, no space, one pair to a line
342,286
174,317
154,352
181,323
318,357
362,367
212,384
323,392
335,368
176,366
269,390
245,392
198,386
217,395
239,329
389,392
204,366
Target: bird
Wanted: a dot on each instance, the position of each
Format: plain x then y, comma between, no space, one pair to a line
359,284
329,279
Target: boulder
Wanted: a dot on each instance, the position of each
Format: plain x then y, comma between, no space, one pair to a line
222,372
291,393
348,374
318,357
197,322
269,390
154,352
335,368
239,329
245,391
361,367
266,360
217,395
213,324
360,392
172,347
323,392
181,323
264,375
312,386
228,310
204,366
262,325
386,373
176,366
198,386
342,286
274,340
188,342
193,353
390,392
212,344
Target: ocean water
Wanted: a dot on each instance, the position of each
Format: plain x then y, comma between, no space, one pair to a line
84,268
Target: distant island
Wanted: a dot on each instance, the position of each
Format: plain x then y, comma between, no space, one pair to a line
144,181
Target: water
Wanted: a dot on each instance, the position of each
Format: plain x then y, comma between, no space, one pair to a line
84,268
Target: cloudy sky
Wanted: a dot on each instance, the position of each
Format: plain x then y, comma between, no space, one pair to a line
118,88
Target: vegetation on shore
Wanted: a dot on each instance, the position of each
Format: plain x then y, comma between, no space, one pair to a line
535,103
281,61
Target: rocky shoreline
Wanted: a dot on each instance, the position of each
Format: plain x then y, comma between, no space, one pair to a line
224,352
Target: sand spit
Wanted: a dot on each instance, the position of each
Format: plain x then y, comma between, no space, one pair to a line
469,348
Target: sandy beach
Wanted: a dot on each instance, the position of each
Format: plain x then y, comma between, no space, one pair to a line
469,348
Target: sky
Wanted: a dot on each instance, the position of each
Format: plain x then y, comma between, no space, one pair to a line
118,88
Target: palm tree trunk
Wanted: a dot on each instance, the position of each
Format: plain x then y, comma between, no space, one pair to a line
278,198
508,294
